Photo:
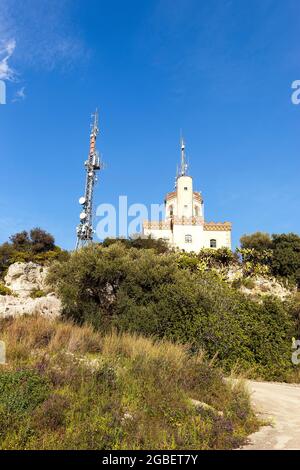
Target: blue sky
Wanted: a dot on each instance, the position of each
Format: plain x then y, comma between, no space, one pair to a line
221,70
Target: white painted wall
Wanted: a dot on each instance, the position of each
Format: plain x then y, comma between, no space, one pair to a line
223,238
185,196
179,237
156,233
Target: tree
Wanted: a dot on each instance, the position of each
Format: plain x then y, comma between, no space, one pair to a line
20,241
6,251
140,242
286,257
258,241
41,241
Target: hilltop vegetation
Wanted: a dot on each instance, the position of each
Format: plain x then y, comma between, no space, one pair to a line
278,254
69,387
141,286
37,246
145,331
180,297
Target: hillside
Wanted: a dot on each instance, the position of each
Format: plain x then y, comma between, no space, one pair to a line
68,387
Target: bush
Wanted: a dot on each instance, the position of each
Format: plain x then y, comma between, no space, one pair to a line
286,257
243,282
6,251
278,255
256,262
134,393
37,241
258,241
22,390
146,243
37,246
37,293
41,241
5,290
141,291
20,241
51,414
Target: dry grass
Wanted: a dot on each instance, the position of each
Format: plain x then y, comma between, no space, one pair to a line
26,334
88,383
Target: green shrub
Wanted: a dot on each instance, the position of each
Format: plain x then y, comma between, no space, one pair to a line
243,281
141,291
256,262
258,241
145,243
37,293
37,246
5,290
286,257
278,255
51,413
22,390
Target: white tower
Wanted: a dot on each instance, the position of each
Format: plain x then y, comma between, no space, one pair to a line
184,188
184,227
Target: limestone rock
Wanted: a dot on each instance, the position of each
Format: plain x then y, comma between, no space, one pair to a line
23,278
11,306
201,406
263,286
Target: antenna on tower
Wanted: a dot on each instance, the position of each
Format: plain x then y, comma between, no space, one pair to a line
93,164
183,166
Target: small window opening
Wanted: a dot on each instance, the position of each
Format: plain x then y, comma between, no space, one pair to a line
213,243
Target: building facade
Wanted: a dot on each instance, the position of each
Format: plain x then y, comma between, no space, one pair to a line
184,226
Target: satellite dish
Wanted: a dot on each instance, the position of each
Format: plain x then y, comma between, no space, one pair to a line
82,200
82,216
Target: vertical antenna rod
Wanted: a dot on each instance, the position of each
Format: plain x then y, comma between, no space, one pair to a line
183,169
85,229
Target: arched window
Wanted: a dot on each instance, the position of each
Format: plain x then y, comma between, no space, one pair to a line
171,212
213,243
188,239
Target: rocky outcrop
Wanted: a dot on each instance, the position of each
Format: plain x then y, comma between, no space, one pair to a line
263,286
11,306
23,279
258,286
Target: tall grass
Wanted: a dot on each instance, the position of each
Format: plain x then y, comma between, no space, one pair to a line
69,387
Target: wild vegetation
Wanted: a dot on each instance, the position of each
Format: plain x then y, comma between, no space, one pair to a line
175,296
138,285
37,246
278,254
69,387
145,331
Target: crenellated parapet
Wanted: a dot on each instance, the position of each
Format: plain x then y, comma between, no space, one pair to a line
217,226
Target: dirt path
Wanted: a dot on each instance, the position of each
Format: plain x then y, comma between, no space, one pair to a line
279,403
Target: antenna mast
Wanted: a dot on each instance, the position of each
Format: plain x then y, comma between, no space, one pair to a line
93,164
183,166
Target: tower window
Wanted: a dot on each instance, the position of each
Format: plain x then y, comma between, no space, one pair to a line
213,243
188,239
185,188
